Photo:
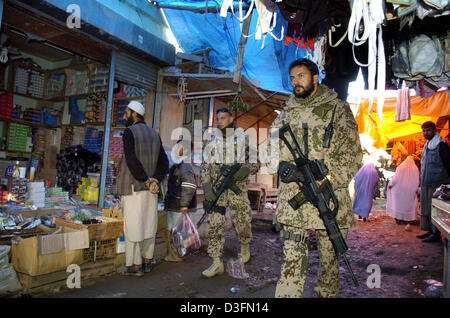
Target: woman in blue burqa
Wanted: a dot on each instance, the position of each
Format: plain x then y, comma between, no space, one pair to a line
365,182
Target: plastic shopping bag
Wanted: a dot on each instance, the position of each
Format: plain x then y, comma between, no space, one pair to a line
184,236
9,283
236,268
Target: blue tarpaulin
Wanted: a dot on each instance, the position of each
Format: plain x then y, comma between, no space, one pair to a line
267,67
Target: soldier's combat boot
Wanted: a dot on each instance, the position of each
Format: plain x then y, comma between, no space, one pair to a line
245,252
216,268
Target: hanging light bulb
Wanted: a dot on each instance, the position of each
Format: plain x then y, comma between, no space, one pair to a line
4,55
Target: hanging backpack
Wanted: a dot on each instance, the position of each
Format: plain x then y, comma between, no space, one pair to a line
425,56
400,62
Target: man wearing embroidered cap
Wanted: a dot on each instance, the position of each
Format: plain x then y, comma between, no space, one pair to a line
310,109
143,166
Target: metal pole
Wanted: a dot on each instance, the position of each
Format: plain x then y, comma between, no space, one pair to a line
157,96
112,70
2,2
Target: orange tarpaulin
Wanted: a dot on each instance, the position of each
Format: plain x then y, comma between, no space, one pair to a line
422,110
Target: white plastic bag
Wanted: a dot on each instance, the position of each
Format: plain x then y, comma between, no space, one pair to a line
184,236
8,278
236,268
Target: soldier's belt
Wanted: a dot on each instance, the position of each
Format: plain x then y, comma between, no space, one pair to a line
296,237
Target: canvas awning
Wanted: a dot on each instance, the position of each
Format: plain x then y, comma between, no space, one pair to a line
422,110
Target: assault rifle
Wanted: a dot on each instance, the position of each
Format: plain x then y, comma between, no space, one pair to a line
228,182
311,177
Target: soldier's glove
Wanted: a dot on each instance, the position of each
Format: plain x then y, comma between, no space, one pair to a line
209,194
242,173
288,172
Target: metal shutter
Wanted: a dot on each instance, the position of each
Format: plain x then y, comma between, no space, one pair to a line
134,71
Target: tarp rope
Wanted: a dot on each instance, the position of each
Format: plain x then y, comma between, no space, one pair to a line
372,16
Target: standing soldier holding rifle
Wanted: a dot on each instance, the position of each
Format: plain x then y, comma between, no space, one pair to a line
225,184
319,154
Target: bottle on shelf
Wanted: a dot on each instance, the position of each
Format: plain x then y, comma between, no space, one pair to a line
16,172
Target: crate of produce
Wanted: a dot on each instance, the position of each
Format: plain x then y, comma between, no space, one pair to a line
110,228
99,250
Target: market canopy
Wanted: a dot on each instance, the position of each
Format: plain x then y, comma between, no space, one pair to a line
266,66
422,110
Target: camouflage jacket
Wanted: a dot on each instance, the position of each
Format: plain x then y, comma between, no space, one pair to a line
343,158
210,167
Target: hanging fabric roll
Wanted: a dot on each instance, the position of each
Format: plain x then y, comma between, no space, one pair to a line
402,111
267,20
372,17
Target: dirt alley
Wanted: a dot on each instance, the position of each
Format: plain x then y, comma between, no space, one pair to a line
404,260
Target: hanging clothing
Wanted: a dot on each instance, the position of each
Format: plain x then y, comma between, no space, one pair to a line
365,181
301,39
403,105
140,215
401,202
371,16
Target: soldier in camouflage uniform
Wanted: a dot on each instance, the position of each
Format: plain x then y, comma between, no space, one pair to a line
313,104
220,148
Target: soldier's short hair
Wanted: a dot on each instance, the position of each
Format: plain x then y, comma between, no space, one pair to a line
224,110
429,124
312,67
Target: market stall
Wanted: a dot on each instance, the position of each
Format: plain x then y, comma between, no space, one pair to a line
440,217
60,130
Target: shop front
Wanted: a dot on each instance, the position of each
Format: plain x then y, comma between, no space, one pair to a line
63,93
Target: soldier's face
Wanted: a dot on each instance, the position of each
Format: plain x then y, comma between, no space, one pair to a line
303,83
223,119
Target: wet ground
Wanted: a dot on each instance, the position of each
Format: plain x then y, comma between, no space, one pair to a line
405,263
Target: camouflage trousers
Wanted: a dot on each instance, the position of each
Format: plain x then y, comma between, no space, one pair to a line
295,265
241,215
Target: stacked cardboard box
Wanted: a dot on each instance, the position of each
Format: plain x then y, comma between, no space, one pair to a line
6,106
18,138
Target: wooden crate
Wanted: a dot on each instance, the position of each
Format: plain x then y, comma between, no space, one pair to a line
272,195
109,228
115,213
44,284
105,249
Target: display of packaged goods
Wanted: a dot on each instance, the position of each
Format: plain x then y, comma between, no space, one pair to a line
55,85
6,105
77,82
99,79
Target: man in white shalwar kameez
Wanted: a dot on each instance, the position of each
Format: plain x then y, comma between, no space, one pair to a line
401,202
143,166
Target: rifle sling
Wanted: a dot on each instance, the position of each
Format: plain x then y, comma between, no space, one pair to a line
305,139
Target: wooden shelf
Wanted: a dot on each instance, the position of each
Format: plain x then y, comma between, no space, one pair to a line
29,96
53,99
85,124
79,66
131,98
30,124
63,98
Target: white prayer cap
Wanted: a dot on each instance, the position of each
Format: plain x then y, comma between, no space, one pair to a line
137,107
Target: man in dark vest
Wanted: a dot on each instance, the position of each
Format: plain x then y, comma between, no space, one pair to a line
143,166
435,170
